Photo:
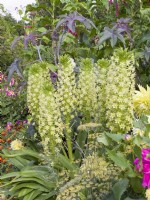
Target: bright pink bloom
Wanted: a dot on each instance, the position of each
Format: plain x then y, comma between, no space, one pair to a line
12,82
10,93
146,167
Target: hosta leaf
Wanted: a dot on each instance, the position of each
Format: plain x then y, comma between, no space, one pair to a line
119,188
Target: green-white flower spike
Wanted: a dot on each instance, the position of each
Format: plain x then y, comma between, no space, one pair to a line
38,74
87,94
119,91
66,97
50,123
102,69
66,88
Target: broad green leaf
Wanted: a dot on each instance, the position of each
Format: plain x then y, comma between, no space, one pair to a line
115,137
104,140
42,29
119,188
137,140
137,188
119,159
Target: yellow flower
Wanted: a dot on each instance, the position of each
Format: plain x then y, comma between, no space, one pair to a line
16,145
141,101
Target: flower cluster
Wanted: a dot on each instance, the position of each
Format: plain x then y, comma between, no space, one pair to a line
119,92
16,145
95,175
38,74
141,101
66,89
87,93
50,122
102,69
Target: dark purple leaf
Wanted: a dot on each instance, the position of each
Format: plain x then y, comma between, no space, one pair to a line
12,68
69,21
30,37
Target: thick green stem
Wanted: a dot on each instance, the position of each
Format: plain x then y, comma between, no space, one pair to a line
69,145
69,142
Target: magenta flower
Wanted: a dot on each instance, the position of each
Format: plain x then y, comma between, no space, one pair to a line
146,167
12,82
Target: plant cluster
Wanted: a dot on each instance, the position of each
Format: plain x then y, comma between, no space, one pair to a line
88,130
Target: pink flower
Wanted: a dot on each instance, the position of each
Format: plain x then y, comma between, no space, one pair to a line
146,167
12,82
9,126
111,1
25,122
10,93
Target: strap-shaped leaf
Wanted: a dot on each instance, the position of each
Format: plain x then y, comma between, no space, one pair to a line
29,185
38,180
24,192
32,195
